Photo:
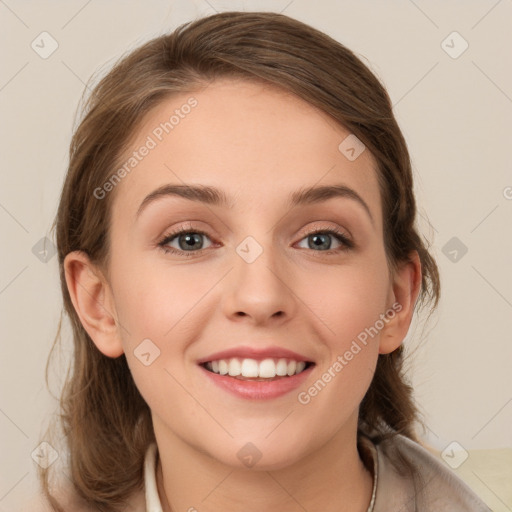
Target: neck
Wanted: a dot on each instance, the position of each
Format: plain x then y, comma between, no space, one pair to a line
332,478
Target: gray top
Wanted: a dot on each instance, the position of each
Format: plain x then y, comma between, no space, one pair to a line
429,487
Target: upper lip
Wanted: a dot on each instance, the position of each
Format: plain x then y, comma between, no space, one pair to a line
246,352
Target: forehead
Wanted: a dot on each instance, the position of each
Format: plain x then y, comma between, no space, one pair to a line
256,142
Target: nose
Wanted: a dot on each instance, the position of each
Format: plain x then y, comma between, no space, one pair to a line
260,291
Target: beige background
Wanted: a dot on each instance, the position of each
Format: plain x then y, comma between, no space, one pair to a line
455,114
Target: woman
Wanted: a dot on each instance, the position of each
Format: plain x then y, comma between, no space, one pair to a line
240,265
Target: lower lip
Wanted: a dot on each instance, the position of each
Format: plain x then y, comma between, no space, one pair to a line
258,390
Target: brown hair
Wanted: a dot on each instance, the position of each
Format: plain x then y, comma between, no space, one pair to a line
108,432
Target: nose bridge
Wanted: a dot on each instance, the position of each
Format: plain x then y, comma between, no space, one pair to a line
258,286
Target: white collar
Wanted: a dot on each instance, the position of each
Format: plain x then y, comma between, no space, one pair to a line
152,499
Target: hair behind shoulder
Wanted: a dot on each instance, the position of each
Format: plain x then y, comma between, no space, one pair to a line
108,433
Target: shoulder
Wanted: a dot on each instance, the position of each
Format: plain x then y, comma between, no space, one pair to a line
409,477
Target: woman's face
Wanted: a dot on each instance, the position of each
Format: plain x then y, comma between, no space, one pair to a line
256,283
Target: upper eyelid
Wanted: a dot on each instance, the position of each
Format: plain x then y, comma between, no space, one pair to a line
192,229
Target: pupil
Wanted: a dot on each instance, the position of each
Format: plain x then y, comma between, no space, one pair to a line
190,240
317,241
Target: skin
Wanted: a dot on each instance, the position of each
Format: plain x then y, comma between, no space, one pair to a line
258,144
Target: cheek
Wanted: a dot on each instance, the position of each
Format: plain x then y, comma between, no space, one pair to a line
349,308
151,299
157,307
348,299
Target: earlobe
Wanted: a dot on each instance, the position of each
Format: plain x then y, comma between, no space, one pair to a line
405,290
93,302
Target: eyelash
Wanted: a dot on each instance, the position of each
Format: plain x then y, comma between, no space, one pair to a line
340,236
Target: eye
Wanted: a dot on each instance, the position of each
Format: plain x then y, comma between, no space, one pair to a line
186,242
321,240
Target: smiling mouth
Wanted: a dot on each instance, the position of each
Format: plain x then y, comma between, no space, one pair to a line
268,369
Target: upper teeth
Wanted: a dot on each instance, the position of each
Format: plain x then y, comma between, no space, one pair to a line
267,368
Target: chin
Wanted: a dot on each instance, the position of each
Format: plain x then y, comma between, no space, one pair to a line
260,454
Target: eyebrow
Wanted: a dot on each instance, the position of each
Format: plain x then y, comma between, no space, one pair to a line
216,197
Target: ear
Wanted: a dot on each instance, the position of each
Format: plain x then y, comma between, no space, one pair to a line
93,302
404,292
